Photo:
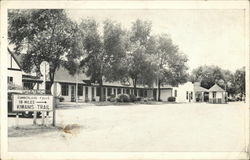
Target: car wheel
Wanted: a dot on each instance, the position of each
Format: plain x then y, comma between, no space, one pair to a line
27,114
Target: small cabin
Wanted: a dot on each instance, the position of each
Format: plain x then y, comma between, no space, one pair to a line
217,94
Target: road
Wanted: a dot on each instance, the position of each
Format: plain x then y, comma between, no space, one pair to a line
168,127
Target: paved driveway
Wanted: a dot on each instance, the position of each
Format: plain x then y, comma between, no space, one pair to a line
168,127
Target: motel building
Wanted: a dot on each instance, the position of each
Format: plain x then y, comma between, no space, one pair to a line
217,94
79,87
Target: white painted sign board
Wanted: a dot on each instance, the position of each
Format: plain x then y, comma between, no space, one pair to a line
25,102
57,91
44,68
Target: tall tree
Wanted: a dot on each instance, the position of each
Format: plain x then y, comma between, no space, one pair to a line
104,54
137,60
44,35
240,81
172,67
208,75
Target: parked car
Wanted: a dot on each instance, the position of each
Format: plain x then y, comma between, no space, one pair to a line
26,114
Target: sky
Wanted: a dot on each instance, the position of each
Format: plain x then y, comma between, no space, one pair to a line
207,37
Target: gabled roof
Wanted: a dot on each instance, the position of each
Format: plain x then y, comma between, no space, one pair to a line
62,75
216,88
16,58
200,89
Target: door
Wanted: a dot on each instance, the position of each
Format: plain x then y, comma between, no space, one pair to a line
73,94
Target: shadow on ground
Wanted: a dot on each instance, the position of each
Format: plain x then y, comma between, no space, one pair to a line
31,130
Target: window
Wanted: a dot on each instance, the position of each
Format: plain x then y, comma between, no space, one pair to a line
65,90
132,91
104,92
98,91
86,91
109,91
187,95
175,93
214,94
80,90
145,93
10,79
119,90
127,91
191,95
93,92
28,85
140,92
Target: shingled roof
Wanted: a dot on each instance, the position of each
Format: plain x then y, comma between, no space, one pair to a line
216,88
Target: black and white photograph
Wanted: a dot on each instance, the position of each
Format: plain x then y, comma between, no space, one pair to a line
125,78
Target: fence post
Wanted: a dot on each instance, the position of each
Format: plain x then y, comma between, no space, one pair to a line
34,117
17,120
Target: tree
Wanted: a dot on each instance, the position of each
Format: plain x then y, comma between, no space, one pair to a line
104,54
240,81
172,67
228,82
207,75
44,35
137,61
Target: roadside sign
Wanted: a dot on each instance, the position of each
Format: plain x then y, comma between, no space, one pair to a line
44,68
56,89
23,102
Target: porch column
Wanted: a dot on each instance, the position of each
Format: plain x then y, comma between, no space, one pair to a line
202,96
106,93
157,93
90,93
94,93
83,93
112,90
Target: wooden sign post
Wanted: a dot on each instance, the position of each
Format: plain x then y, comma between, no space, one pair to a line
44,69
55,92
17,120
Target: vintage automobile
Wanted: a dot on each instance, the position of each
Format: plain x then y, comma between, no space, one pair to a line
25,114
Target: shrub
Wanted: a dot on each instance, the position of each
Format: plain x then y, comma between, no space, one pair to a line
197,99
87,99
171,99
123,98
138,99
132,98
111,98
61,99
146,99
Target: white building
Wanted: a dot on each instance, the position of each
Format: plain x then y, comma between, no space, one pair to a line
184,92
14,70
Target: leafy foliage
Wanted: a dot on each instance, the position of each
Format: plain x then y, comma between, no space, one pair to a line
240,81
44,35
234,83
170,62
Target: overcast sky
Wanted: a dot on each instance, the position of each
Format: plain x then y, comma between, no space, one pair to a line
211,37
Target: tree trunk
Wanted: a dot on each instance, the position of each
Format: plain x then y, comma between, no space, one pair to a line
134,83
101,90
159,90
51,77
